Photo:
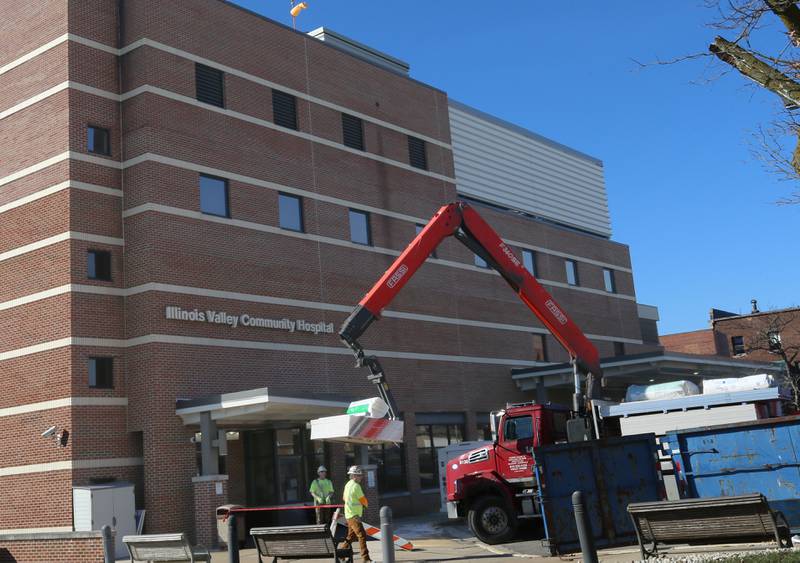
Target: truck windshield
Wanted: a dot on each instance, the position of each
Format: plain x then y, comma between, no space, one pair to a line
519,428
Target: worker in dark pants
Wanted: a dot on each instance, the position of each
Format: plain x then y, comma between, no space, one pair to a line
354,504
322,491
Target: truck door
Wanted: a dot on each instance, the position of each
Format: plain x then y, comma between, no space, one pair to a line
515,461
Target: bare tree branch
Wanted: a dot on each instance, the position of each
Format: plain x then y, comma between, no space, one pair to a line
770,336
756,69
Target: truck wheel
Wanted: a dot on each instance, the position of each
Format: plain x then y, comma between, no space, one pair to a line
491,520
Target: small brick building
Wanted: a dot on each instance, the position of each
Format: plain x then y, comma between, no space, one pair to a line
753,336
192,199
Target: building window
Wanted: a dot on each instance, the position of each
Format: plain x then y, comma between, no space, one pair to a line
431,437
529,261
480,262
284,109
608,280
540,348
391,462
214,196
98,141
417,153
98,265
572,272
774,341
352,132
619,348
418,228
359,227
209,85
290,212
737,345
101,373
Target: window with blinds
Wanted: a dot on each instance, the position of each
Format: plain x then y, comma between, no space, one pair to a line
417,155
284,109
352,132
210,84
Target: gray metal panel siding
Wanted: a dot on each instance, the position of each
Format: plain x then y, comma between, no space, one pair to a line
502,164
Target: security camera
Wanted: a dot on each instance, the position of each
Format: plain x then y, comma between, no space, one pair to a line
49,432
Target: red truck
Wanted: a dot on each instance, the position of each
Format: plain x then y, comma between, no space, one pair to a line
494,487
491,486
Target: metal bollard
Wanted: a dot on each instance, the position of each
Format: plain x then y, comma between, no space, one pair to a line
109,550
233,539
387,535
584,526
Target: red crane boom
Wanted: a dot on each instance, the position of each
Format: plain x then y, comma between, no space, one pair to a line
460,220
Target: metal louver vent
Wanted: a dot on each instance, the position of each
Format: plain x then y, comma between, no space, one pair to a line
210,84
479,455
352,132
417,155
284,109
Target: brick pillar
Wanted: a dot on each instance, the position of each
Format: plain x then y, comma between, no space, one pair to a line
210,491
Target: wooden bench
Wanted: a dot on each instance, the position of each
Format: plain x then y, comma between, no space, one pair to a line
739,518
164,547
298,542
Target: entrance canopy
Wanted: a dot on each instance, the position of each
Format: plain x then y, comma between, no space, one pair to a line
642,369
257,406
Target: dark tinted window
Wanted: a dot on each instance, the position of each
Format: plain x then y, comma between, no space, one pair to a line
430,437
519,428
284,109
417,153
359,227
214,196
290,212
737,345
391,463
210,85
98,265
352,132
619,348
101,373
98,140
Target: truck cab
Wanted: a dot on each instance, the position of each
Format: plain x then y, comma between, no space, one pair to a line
495,486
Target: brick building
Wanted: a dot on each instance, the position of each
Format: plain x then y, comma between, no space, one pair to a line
754,336
193,197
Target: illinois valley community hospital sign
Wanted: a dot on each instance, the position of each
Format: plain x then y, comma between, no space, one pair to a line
233,321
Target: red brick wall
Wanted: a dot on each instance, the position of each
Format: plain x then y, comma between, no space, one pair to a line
39,548
750,326
694,342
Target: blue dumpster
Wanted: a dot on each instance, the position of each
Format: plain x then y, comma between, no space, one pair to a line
612,473
762,456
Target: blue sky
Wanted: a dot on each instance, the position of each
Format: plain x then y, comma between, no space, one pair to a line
685,192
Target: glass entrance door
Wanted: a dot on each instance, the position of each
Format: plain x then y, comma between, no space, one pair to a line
280,464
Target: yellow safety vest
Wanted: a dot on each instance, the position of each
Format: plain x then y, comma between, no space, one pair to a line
321,489
352,497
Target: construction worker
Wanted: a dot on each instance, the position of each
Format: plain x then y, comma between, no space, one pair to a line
354,504
322,491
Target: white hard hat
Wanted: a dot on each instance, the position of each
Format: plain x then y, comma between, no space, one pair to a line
322,468
355,470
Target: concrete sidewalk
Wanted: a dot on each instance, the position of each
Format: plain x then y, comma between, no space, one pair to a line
436,538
